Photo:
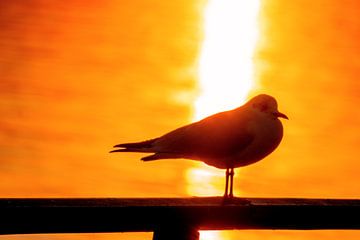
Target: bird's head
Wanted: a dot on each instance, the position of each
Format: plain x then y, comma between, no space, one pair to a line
266,104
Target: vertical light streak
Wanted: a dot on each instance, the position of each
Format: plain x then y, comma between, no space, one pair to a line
226,67
226,71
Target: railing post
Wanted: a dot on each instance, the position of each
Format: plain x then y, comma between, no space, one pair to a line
176,233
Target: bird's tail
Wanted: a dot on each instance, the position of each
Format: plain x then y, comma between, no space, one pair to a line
145,146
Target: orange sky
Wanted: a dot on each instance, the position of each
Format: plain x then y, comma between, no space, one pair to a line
78,78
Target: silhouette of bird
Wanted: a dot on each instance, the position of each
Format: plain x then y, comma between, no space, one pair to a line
225,140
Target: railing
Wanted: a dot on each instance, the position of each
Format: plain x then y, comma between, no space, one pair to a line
174,218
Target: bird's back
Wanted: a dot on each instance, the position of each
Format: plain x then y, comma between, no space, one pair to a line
211,138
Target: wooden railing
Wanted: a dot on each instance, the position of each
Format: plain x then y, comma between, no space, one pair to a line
173,218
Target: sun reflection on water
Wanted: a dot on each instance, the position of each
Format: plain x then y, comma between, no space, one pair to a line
225,78
226,65
210,235
225,74
210,179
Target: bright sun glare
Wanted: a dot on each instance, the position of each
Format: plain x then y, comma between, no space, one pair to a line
226,72
226,67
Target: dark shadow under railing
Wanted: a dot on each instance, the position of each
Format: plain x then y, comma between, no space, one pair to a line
173,218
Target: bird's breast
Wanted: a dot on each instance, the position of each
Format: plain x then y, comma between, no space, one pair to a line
267,136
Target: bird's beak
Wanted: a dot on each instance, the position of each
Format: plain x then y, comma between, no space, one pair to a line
281,115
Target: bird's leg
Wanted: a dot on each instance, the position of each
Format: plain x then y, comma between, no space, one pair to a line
232,173
226,183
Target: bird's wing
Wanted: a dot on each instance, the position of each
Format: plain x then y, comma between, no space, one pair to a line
215,136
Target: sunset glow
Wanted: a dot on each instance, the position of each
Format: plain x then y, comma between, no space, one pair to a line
225,77
225,74
211,235
205,181
226,66
78,77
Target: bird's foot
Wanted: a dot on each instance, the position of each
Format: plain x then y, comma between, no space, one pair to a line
228,196
227,199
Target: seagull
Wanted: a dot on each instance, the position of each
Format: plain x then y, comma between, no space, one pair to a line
225,140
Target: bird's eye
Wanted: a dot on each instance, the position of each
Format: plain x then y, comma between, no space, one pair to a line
261,106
